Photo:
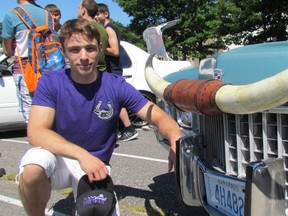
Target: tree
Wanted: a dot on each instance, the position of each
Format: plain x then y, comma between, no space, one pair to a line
253,21
130,36
207,25
196,27
199,36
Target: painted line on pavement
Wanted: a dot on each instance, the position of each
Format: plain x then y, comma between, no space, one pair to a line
18,203
15,141
117,154
140,157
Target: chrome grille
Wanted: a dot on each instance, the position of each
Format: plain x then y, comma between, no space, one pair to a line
213,129
233,141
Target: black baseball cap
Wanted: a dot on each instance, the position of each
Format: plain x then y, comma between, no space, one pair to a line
96,198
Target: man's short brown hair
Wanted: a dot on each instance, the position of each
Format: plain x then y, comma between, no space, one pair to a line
102,8
52,8
78,26
91,7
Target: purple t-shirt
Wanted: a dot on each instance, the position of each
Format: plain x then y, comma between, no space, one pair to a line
88,114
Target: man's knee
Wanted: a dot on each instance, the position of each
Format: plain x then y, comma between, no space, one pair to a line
38,160
32,174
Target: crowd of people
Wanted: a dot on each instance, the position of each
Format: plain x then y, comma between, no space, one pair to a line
77,113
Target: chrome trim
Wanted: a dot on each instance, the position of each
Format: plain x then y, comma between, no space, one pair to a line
190,172
185,176
200,165
265,181
280,109
264,186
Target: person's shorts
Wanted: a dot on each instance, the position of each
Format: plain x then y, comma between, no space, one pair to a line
62,172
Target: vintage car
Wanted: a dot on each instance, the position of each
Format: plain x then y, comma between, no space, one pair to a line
133,60
233,111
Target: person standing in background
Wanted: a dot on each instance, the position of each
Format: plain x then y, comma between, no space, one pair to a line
15,41
56,15
113,50
114,66
87,9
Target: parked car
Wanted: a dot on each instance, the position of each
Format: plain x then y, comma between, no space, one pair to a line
133,60
10,117
233,111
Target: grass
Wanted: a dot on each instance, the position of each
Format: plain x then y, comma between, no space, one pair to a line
10,177
67,191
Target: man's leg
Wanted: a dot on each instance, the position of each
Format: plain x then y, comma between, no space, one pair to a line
36,170
34,189
128,131
125,118
23,95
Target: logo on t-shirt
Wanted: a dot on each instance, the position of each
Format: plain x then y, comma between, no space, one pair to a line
104,113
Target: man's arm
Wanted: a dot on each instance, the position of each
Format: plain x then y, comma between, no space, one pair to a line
8,48
40,134
113,49
166,125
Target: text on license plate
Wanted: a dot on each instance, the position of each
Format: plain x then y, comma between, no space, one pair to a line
225,195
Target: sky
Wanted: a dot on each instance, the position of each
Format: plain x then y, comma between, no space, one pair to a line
69,9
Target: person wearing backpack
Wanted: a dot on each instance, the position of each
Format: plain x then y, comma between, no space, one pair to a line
15,36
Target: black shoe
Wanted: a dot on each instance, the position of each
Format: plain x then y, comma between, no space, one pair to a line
128,135
119,135
2,172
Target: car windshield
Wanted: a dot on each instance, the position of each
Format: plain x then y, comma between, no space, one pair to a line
125,59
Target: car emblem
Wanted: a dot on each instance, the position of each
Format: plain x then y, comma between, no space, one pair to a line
218,73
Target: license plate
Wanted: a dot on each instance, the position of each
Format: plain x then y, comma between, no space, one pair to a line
225,195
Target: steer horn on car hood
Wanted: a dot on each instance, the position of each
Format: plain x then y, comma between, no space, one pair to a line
212,97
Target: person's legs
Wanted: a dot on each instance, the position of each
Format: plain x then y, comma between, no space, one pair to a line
127,130
36,179
23,95
124,118
34,189
40,171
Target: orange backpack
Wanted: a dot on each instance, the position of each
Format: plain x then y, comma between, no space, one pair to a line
44,52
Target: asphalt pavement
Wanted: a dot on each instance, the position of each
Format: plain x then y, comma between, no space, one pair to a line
139,172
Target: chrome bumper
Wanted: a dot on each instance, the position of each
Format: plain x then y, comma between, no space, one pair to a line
264,188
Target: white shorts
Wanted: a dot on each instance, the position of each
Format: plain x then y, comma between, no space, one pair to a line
62,172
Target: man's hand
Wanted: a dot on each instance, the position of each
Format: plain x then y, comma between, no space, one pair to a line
95,169
167,127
